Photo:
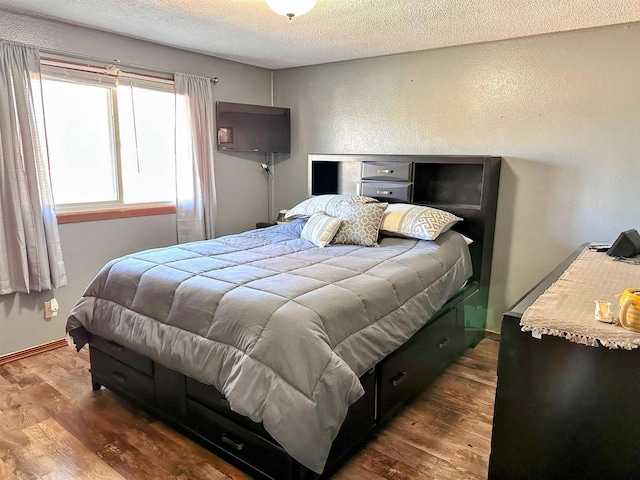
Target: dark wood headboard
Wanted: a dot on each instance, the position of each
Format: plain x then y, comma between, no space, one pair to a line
466,186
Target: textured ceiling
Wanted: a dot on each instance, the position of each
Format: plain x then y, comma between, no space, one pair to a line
248,31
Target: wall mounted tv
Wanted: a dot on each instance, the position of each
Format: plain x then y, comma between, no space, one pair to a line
253,128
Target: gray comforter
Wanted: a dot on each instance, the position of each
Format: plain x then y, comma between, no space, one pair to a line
282,328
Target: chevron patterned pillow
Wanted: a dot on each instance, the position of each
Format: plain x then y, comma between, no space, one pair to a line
424,223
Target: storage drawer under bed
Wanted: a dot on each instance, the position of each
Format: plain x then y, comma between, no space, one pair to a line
407,371
209,414
240,442
208,396
115,375
123,354
360,420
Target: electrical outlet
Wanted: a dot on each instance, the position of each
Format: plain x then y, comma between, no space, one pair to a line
51,308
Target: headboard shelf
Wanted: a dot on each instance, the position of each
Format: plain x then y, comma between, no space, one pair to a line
465,185
448,183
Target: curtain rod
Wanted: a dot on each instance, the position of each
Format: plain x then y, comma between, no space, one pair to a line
165,74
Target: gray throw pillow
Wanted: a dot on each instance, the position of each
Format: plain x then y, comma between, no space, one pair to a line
360,223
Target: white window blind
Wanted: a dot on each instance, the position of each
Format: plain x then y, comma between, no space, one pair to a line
110,137
71,74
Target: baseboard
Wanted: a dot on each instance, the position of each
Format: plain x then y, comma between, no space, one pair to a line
492,335
29,352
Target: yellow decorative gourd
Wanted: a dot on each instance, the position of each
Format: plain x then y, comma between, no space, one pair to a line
630,309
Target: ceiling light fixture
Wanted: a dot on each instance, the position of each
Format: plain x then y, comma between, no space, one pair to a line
291,8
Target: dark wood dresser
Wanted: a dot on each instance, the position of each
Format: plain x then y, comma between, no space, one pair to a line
563,410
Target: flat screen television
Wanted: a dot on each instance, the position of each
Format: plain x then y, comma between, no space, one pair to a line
253,128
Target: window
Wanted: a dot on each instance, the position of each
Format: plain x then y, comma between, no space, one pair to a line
110,139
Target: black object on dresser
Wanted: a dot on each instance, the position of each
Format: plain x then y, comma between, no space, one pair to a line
563,410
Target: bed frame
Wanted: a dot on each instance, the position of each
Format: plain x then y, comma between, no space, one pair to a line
464,185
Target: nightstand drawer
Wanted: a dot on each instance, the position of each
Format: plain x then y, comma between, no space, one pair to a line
387,191
117,376
386,171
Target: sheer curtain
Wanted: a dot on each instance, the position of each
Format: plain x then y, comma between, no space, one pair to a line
30,253
196,207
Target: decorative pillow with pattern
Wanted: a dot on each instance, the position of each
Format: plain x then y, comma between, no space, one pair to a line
325,203
320,229
424,223
360,223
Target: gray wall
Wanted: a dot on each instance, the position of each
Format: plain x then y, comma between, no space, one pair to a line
240,183
562,109
86,247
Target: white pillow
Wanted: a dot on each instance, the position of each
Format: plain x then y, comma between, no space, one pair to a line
328,204
415,221
320,229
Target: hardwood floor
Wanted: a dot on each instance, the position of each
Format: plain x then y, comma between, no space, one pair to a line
54,427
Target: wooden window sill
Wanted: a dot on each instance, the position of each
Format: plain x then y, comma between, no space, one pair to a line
112,213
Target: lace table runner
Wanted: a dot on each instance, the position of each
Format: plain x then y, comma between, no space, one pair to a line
567,308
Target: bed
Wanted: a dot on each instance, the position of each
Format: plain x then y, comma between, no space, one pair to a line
284,357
